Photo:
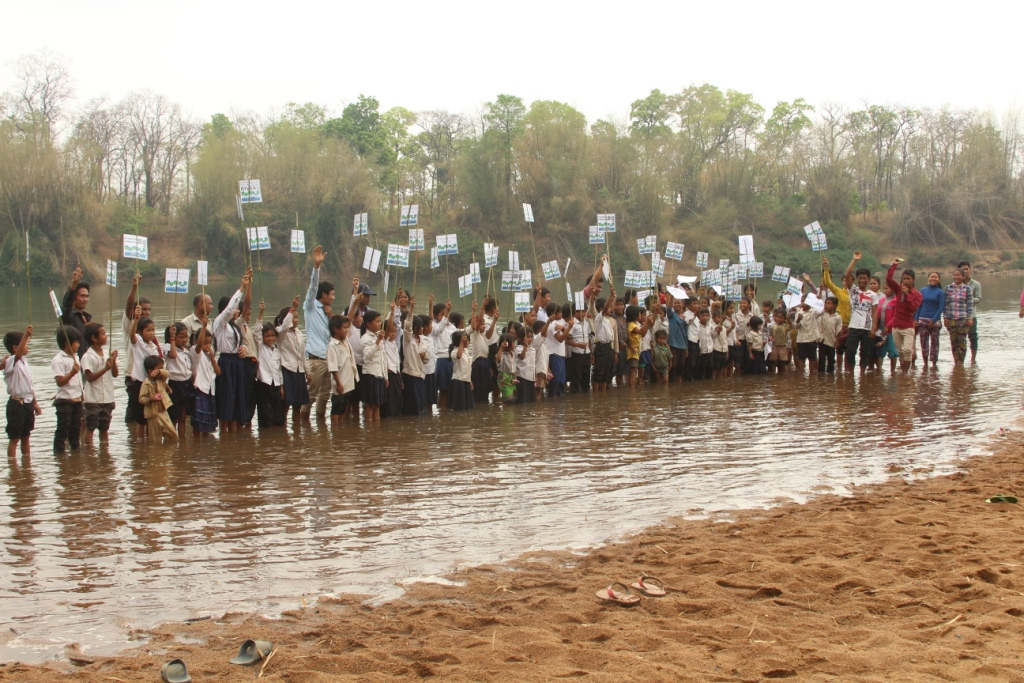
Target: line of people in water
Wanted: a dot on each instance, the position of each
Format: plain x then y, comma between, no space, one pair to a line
225,371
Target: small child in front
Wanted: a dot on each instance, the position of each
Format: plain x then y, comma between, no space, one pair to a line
22,406
156,401
68,402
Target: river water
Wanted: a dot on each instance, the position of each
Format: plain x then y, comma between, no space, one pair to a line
129,535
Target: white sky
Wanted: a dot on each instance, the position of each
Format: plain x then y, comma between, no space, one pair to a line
212,56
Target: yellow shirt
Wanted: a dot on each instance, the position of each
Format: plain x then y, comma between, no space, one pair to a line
843,309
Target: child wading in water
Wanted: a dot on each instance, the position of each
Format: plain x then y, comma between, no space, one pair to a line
99,371
156,401
68,402
22,406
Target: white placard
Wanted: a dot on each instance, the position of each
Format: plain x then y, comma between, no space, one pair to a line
56,304
375,261
410,215
474,273
435,262
702,259
298,241
360,224
550,270
111,273
674,251
528,213
513,260
746,243
249,191
606,222
202,273
416,241
490,255
522,302
176,280
507,280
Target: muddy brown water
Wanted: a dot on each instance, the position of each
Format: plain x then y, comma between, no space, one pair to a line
128,535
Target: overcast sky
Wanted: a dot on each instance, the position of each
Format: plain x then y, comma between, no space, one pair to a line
256,56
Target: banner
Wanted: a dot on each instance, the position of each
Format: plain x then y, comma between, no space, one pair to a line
176,281
249,191
410,215
596,235
298,242
606,222
360,223
136,247
416,242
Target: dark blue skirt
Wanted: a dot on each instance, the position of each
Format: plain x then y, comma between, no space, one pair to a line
372,390
460,396
414,395
482,382
295,391
443,373
232,403
204,417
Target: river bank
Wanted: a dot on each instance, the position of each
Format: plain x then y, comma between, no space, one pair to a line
917,580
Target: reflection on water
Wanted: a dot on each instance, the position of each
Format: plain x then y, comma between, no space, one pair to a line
128,535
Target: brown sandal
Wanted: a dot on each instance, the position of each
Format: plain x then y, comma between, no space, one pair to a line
650,586
624,598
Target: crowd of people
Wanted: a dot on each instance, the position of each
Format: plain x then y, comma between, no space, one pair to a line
225,371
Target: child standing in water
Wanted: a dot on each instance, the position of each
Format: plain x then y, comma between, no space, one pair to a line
205,370
341,363
68,402
375,370
178,362
156,401
99,371
22,406
525,365
460,395
755,347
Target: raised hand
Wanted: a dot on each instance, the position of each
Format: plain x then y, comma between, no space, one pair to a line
318,256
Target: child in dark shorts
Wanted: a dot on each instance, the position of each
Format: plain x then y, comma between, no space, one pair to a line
22,406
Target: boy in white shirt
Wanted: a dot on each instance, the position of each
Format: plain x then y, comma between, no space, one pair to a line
99,371
68,402
22,406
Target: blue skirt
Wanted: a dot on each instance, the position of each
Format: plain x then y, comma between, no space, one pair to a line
460,396
414,395
443,373
232,403
295,391
372,390
204,415
482,382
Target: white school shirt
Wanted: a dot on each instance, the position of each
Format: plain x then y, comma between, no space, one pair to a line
228,338
478,347
493,337
720,339
441,337
291,344
61,365
179,369
742,320
604,329
205,379
555,347
412,350
462,370
427,344
692,327
540,350
100,390
268,369
19,379
526,366
340,360
140,352
373,356
580,333
707,344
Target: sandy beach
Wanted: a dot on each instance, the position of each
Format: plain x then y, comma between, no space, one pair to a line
916,580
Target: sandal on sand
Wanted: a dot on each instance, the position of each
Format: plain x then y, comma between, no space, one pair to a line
625,597
650,586
175,671
252,651
1001,498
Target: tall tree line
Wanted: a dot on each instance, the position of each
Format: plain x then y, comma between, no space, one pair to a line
700,165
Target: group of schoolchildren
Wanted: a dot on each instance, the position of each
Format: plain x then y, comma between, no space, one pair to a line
224,372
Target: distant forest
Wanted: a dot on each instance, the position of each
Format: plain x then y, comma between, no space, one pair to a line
699,166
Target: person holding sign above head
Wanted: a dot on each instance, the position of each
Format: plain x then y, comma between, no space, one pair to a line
319,295
232,402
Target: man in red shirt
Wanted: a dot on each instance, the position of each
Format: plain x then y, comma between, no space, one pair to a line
908,299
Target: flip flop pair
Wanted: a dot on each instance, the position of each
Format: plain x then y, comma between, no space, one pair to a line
624,595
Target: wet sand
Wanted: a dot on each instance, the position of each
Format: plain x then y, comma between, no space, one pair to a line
916,580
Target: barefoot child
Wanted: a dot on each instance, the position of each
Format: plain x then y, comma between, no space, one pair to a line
373,385
99,369
156,400
68,403
22,406
178,361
